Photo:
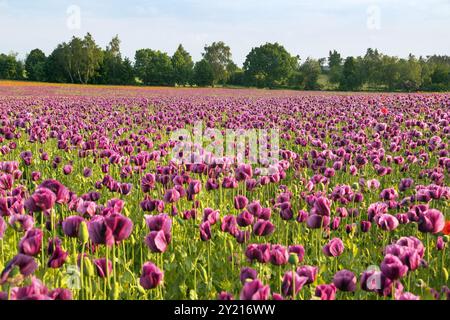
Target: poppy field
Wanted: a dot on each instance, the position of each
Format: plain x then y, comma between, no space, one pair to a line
94,206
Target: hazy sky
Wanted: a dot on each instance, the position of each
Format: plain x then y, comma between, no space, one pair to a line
304,27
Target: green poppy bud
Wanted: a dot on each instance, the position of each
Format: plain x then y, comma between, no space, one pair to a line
83,233
293,259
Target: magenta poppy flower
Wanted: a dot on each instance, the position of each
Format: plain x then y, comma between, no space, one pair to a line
387,222
102,270
71,226
210,215
156,241
244,219
21,222
299,250
258,252
120,226
61,192
263,228
205,231
42,199
326,291
309,272
229,224
60,294
315,221
99,232
240,202
31,243
345,280
292,280
3,227
247,274
57,255
393,268
224,296
151,276
432,221
26,264
171,196
255,290
334,248
321,207
160,222
278,255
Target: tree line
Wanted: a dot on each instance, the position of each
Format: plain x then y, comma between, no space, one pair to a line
270,65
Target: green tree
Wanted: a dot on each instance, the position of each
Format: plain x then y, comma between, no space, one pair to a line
351,77
371,67
153,67
218,55
269,65
203,73
390,72
310,71
335,67
35,65
183,66
10,67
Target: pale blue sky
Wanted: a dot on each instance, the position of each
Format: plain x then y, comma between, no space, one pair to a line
304,27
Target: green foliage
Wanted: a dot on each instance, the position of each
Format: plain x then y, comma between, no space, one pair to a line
218,56
153,67
35,65
351,78
269,65
114,69
310,71
10,67
183,66
203,73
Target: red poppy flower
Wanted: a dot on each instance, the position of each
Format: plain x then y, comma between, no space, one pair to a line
446,229
384,110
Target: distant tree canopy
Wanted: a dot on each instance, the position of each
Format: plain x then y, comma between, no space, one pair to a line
10,67
270,65
35,65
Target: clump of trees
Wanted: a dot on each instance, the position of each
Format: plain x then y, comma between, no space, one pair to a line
270,65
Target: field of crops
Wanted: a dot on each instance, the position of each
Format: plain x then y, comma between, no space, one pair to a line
94,206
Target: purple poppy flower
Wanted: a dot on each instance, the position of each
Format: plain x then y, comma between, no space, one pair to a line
244,219
393,268
3,227
432,221
120,226
315,221
248,274
258,252
387,222
326,291
71,226
31,243
263,228
100,266
99,232
61,192
255,290
60,294
345,280
291,281
334,248
299,250
224,296
58,255
26,264
309,272
151,276
408,296
210,215
255,208
42,199
278,255
156,241
205,231
240,202
302,216
321,207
